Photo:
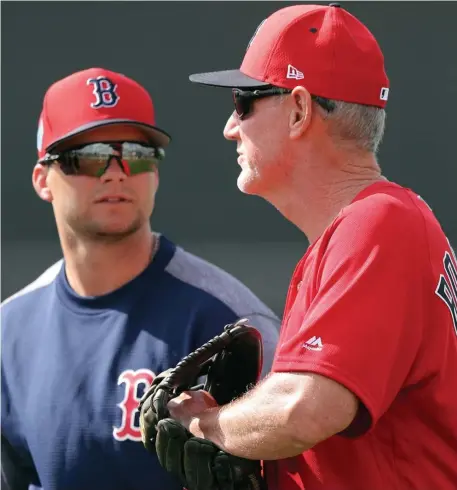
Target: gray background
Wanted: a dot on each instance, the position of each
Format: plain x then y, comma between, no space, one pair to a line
199,206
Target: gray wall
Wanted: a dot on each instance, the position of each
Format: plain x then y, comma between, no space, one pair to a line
199,205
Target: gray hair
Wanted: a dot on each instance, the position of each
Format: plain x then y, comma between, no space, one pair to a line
358,125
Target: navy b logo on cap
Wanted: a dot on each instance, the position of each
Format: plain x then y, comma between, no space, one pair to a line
104,91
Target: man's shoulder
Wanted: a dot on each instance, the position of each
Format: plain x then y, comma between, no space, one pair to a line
29,292
386,210
216,282
385,224
21,313
210,278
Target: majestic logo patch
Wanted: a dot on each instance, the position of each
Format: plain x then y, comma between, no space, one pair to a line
314,343
130,429
104,91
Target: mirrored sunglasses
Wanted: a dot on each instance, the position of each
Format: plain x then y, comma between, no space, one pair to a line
94,159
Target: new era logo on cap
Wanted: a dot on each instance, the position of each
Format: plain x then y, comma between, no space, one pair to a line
292,72
92,98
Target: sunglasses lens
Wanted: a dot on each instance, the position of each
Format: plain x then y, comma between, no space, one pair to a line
75,164
93,160
140,158
242,103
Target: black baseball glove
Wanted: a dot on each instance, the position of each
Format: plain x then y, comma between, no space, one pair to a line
231,363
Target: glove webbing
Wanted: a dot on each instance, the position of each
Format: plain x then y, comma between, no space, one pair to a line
182,376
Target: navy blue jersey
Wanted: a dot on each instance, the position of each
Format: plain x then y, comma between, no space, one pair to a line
74,368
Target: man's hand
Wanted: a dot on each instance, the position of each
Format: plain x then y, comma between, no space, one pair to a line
189,405
231,363
200,464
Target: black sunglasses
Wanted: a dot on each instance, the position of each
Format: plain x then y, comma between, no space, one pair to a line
244,99
94,159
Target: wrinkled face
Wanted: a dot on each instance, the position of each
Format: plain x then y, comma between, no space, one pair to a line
107,208
261,139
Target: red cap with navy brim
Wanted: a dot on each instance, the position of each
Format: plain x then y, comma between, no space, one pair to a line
92,98
323,48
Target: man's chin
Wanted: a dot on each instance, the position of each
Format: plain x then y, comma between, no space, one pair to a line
248,184
112,232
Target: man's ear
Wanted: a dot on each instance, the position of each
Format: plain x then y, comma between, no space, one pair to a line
40,182
301,112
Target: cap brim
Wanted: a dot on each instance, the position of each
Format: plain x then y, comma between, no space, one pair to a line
226,78
156,136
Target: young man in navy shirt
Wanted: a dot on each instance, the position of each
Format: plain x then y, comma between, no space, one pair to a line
82,342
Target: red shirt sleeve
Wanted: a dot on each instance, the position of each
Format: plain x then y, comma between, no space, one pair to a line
357,315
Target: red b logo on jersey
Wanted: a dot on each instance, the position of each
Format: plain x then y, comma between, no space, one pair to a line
129,405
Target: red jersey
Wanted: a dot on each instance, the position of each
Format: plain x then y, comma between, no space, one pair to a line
372,305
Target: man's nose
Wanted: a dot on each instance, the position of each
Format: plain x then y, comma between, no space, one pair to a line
115,170
231,130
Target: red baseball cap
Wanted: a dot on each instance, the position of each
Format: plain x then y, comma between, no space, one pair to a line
324,48
92,98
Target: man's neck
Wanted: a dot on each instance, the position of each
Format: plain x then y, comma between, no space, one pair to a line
313,205
98,268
